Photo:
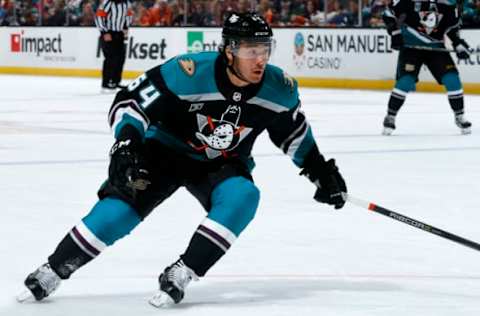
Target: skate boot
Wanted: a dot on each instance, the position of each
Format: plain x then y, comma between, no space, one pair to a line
464,125
388,125
173,282
40,283
109,88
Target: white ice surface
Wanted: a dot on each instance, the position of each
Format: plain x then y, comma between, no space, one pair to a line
297,257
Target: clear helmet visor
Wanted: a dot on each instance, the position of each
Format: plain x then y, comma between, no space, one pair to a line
253,49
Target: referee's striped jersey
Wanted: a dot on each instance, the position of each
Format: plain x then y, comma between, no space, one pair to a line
114,15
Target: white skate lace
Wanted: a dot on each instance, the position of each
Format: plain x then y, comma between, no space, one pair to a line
181,275
48,279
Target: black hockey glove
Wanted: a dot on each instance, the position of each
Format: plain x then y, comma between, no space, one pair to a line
329,182
462,49
397,39
128,170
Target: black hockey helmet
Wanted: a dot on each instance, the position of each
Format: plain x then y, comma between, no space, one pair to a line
246,28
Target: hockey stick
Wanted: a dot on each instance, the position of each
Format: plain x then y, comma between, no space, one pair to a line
432,49
439,49
410,221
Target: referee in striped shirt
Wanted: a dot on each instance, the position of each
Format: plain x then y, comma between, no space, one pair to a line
113,19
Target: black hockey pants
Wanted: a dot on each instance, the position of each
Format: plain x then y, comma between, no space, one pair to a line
114,52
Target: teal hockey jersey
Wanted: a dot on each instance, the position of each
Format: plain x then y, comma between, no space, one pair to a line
189,104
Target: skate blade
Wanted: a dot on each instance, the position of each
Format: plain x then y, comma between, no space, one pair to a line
387,131
161,300
24,296
466,131
108,91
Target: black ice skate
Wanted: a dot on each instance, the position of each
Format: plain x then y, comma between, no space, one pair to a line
40,283
464,125
109,88
173,282
388,125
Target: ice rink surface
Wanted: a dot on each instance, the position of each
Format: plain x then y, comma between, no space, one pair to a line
297,257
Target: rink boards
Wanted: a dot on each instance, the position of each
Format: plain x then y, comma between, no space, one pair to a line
317,57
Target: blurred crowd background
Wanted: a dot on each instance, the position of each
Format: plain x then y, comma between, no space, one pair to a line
290,13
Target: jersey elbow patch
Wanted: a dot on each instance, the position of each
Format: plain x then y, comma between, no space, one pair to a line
128,112
298,143
303,150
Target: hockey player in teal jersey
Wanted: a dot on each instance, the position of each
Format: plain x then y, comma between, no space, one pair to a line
192,122
418,29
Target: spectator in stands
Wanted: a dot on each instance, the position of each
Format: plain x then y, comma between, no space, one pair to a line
160,14
27,13
147,3
298,13
352,13
333,10
5,4
74,12
141,15
199,16
29,17
210,13
471,13
216,9
378,6
4,12
243,7
284,16
265,10
3,16
313,14
342,16
88,14
178,13
56,14
476,21
229,6
297,7
350,17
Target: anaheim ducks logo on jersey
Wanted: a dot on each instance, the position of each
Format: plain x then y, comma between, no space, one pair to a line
430,20
220,136
429,17
187,65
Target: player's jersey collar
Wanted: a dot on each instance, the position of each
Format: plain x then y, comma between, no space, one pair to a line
230,91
